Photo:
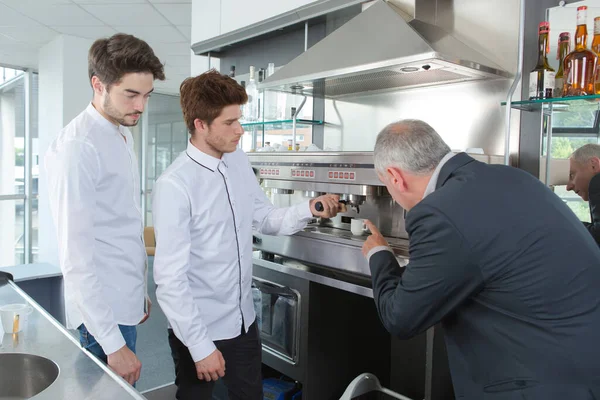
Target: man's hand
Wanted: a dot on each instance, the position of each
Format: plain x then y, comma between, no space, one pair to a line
125,363
146,309
374,240
211,367
330,203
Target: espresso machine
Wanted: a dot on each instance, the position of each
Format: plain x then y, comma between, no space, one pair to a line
292,177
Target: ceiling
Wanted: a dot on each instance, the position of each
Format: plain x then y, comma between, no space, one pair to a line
27,25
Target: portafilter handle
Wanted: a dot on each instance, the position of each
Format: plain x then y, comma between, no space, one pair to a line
319,205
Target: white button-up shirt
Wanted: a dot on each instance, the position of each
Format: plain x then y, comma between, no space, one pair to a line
94,192
204,210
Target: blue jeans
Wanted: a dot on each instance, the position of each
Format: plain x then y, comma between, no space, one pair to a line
89,342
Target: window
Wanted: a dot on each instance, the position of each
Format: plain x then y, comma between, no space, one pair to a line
167,137
12,167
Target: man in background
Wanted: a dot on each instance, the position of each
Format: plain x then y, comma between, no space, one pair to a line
584,166
93,185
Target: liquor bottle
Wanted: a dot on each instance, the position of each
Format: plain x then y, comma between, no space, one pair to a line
261,97
596,49
541,79
251,107
271,100
564,47
580,64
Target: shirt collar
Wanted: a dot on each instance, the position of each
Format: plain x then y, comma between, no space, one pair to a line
436,173
204,159
95,114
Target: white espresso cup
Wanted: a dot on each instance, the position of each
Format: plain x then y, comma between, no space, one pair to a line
14,317
358,227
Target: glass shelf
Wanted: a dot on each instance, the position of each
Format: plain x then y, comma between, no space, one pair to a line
558,104
282,123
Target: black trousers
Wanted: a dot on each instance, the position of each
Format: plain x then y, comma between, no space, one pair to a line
243,364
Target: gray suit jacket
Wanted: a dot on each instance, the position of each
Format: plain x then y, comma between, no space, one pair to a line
513,276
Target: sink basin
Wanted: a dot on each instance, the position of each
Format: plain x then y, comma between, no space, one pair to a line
22,376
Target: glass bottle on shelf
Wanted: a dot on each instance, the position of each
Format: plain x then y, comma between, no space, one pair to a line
261,97
564,47
251,108
270,97
541,79
596,49
580,64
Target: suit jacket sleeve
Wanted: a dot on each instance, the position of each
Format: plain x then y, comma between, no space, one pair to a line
594,202
439,277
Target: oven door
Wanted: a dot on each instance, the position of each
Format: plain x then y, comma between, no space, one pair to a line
278,317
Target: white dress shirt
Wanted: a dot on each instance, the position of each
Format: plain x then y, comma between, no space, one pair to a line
430,188
204,210
93,185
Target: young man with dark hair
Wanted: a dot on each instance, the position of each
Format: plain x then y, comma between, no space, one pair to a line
204,209
93,185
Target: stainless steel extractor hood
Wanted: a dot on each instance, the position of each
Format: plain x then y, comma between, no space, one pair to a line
379,50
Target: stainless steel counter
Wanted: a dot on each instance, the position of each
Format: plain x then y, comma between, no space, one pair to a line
81,376
326,246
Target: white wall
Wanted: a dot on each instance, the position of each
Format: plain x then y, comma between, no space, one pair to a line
64,91
216,17
206,19
236,14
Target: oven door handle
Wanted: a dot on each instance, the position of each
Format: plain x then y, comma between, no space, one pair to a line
273,289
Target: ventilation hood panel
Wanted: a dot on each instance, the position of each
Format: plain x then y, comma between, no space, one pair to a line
379,51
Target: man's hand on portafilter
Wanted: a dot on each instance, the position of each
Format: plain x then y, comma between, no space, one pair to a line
329,206
375,238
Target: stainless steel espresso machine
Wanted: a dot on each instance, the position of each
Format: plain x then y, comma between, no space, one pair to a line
289,178
313,291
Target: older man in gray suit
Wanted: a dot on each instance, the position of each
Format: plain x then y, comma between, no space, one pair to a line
500,260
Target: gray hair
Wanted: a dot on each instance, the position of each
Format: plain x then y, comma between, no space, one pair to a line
586,152
411,145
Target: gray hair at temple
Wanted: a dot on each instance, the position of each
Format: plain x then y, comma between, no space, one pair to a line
411,145
586,152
